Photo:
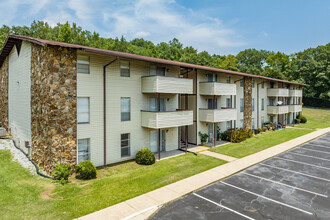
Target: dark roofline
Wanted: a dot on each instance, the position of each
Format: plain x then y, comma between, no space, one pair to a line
13,39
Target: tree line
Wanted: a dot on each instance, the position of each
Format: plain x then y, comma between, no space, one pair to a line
310,66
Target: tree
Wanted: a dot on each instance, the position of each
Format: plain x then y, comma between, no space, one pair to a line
229,63
252,61
276,65
65,33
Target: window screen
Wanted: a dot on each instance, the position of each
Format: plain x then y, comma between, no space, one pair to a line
125,145
124,68
83,64
83,110
125,109
83,150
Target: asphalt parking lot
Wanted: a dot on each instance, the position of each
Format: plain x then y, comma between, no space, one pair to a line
292,185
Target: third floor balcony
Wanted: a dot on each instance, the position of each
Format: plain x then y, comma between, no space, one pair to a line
165,84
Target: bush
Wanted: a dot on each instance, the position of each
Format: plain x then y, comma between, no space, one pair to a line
297,121
203,136
302,118
85,170
145,157
260,130
237,135
62,172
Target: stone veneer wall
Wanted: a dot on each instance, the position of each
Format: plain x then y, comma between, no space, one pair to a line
247,102
4,73
53,106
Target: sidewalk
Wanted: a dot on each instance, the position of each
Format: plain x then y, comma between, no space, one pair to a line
143,206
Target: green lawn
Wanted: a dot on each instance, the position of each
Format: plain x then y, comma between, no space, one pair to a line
24,196
316,118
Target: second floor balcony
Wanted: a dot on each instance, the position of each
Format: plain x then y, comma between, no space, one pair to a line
166,119
277,109
295,93
279,92
217,115
217,88
295,108
164,84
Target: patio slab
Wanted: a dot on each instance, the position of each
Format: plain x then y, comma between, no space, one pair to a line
219,156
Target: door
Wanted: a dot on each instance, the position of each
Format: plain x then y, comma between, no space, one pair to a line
154,104
210,132
154,140
211,104
157,70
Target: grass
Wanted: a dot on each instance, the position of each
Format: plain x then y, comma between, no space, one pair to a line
24,196
316,118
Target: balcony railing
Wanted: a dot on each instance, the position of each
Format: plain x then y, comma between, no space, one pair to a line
166,119
279,109
295,108
280,92
217,115
217,88
164,84
295,93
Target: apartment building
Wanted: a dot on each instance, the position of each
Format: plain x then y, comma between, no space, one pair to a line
70,103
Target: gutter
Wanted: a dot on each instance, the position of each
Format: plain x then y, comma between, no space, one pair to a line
105,111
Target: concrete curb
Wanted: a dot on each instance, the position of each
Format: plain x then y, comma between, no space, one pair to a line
145,205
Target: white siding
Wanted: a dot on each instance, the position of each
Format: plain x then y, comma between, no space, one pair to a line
19,94
217,115
216,88
278,92
163,84
158,120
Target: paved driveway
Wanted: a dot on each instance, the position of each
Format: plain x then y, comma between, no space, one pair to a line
292,185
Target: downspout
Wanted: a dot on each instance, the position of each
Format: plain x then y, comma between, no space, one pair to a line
235,100
258,103
105,111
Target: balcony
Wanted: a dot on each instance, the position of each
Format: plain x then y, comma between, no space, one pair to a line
276,110
217,115
166,119
296,93
163,84
295,108
216,88
278,92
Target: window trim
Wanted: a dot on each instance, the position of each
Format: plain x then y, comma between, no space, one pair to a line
88,147
89,63
129,68
129,145
89,110
130,110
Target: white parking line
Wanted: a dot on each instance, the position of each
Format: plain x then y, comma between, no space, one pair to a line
285,185
313,150
302,163
261,196
318,145
304,174
308,156
223,206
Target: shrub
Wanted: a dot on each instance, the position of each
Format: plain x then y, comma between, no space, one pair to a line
203,136
260,130
85,170
302,118
297,121
62,172
237,135
145,157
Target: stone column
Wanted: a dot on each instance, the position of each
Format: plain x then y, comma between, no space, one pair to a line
53,106
4,72
247,102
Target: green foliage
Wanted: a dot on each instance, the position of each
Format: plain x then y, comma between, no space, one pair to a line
237,135
62,172
85,170
310,66
302,118
297,121
145,157
203,136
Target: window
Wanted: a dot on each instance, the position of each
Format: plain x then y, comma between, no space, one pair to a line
228,104
125,109
262,105
242,105
262,85
242,123
212,77
211,104
153,105
83,64
228,125
252,104
125,145
252,83
271,119
124,68
253,123
157,70
271,85
83,150
83,110
262,121
228,79
271,102
241,82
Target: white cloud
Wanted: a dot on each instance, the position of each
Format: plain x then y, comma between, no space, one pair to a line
156,20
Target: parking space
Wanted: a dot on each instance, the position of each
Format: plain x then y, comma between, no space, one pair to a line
292,185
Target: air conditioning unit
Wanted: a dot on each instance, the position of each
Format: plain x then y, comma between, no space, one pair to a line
3,132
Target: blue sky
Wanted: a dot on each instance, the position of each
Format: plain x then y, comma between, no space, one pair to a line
217,26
